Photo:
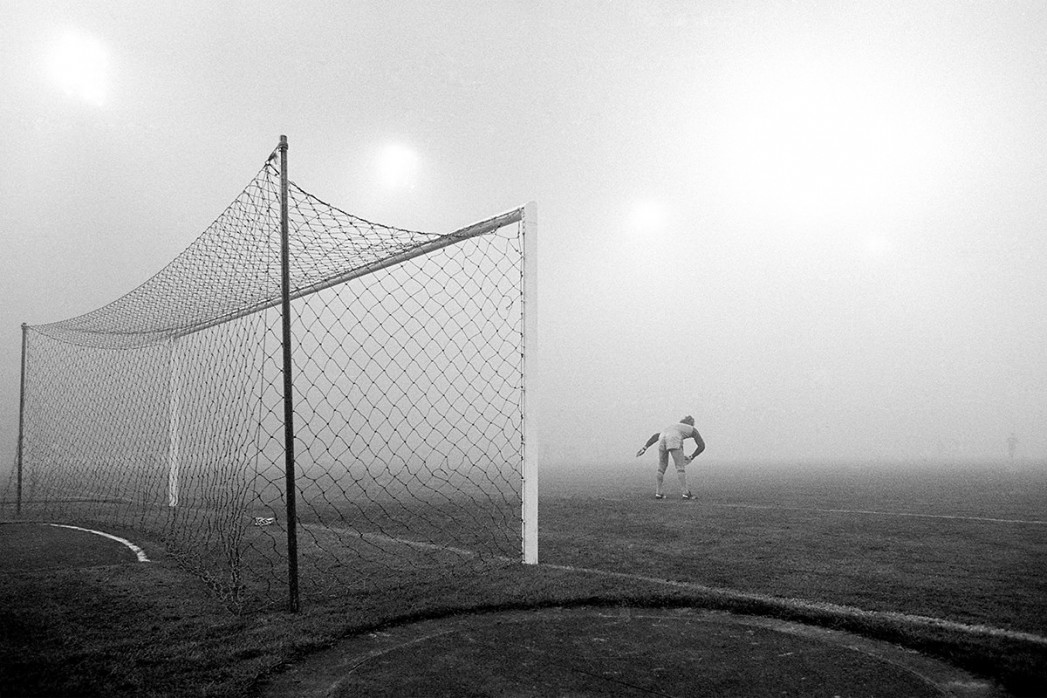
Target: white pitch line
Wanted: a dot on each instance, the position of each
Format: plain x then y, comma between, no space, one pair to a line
1031,522
800,604
412,543
796,604
421,545
134,548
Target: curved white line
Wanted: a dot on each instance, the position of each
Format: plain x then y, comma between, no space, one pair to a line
792,603
134,548
838,609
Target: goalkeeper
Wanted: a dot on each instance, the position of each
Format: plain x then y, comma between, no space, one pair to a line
670,441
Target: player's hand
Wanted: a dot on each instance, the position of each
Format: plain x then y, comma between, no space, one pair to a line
641,452
688,459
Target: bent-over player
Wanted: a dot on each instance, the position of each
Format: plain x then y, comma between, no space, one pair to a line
670,441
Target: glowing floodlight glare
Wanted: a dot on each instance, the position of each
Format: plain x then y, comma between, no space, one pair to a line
879,247
646,215
79,66
398,166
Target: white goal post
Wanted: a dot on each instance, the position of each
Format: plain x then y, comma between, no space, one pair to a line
530,382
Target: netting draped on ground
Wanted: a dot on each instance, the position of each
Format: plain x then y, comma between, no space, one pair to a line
163,411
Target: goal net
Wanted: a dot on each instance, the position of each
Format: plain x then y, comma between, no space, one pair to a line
163,413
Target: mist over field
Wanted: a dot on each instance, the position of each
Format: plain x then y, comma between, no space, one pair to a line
945,489
816,227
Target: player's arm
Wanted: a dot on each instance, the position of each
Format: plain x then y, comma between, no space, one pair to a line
698,443
650,442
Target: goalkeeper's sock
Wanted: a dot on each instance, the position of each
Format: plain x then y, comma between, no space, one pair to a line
682,477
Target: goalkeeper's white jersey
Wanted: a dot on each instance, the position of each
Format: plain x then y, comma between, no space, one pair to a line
674,435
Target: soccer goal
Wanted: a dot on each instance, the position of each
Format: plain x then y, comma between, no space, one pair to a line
301,404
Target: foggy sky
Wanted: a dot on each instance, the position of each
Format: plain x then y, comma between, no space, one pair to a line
817,227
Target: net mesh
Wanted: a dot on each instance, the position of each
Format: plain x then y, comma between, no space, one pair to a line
162,412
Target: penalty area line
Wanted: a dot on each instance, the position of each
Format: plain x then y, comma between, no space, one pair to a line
142,557
955,517
823,606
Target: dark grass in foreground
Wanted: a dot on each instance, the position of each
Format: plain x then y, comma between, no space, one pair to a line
153,630
148,630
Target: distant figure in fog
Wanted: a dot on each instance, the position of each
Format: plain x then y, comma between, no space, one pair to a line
670,442
1012,445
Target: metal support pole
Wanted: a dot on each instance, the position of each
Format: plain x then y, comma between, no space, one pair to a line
530,380
174,424
21,422
289,470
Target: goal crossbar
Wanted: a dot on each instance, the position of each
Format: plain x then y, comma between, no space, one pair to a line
470,231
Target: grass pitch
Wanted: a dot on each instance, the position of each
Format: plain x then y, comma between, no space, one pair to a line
815,544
